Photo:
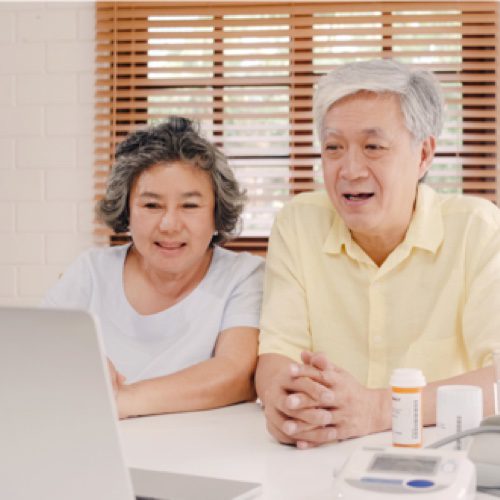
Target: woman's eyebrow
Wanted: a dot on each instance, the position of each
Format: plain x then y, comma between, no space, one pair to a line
149,194
156,196
190,194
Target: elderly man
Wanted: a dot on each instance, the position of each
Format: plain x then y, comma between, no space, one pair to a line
378,272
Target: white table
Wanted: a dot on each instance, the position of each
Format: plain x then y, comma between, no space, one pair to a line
233,443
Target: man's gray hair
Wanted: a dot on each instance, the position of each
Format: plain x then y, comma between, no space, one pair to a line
419,92
175,140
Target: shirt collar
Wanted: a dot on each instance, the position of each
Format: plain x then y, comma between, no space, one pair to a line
426,226
425,230
338,236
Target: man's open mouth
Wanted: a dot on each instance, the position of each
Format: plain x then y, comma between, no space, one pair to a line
357,196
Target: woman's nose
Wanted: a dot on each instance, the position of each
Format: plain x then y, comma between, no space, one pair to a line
169,221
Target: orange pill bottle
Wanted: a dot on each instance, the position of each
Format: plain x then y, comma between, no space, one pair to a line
407,385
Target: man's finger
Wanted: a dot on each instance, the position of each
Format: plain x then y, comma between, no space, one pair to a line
308,419
306,356
320,361
278,434
319,435
314,393
306,370
299,401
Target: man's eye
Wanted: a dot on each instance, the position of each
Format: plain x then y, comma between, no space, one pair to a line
332,147
375,147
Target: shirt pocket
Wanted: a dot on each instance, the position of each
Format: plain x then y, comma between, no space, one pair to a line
437,358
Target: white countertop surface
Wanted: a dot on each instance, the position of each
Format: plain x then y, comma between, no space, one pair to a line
233,443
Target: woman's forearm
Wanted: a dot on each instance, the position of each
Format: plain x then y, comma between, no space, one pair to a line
216,382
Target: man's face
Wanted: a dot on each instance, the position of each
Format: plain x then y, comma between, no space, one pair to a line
372,164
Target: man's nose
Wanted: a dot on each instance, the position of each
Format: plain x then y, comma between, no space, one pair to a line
353,164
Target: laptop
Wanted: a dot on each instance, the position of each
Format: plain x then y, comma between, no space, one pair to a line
58,424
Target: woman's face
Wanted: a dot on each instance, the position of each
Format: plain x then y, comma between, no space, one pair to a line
172,216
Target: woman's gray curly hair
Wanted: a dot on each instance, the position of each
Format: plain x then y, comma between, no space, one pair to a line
176,139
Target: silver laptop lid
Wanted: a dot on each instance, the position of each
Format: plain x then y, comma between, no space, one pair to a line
161,485
58,433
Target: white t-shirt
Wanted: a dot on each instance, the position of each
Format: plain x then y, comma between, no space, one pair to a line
143,347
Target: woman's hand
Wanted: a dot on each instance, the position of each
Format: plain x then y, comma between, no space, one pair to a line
117,379
120,390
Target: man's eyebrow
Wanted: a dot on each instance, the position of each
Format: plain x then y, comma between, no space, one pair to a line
376,131
330,131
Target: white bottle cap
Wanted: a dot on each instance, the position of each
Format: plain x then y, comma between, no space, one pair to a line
407,377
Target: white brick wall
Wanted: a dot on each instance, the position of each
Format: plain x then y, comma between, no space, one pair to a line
46,143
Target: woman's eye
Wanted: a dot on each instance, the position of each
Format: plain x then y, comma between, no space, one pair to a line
190,205
152,205
332,147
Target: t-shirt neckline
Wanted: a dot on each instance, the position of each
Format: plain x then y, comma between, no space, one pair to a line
189,297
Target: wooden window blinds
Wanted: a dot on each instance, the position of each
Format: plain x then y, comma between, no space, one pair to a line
247,74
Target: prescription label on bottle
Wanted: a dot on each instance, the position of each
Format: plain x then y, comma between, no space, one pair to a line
407,417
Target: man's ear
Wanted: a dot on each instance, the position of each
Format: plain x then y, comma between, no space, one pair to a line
427,150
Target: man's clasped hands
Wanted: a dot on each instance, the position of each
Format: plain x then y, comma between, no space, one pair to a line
317,402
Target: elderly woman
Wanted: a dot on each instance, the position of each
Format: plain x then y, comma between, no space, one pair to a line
378,272
179,314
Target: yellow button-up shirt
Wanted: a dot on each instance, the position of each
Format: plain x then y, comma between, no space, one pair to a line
434,303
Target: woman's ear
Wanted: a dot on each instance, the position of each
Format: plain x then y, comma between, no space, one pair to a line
427,150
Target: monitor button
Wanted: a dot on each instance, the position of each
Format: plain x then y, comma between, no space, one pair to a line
420,483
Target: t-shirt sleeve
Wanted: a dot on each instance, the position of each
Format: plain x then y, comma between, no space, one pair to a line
285,318
73,289
481,318
244,303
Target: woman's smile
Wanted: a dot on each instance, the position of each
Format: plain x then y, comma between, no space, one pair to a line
171,248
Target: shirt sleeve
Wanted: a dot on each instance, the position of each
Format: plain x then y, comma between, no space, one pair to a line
244,303
481,317
73,289
285,317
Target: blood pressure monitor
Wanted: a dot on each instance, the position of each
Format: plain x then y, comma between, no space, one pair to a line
394,473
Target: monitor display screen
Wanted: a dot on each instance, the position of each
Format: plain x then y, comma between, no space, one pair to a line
414,464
